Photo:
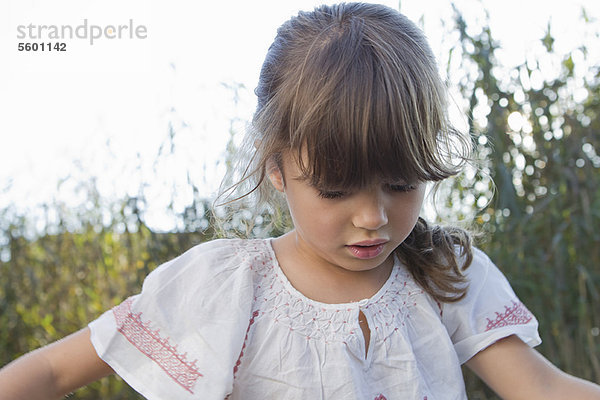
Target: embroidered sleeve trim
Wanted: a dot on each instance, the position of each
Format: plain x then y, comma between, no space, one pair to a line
515,314
152,345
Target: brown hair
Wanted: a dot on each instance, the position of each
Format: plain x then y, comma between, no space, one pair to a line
355,88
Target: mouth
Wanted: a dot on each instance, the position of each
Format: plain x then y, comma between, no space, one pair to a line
367,249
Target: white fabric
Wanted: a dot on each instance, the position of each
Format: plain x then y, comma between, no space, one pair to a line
223,320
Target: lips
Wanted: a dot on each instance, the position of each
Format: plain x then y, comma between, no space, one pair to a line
367,249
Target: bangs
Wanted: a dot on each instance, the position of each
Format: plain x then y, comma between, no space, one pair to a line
362,111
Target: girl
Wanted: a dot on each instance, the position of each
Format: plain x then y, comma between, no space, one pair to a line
362,299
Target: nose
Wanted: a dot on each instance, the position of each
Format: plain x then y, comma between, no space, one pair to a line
370,210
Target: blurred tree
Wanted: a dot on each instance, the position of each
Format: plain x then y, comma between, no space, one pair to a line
536,126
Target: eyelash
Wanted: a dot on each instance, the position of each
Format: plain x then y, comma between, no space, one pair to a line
393,188
331,195
402,188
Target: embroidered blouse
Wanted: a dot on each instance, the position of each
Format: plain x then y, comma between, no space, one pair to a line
222,321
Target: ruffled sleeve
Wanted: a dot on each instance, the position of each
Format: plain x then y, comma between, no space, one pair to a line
180,337
489,312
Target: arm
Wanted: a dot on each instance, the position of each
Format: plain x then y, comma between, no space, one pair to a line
53,371
516,371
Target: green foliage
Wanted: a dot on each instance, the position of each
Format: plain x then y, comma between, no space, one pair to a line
58,281
539,139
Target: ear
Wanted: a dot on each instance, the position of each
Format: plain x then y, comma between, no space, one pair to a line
275,175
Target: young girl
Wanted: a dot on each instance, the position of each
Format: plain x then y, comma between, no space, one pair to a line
362,299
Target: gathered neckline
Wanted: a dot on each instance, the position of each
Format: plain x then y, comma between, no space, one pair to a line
354,304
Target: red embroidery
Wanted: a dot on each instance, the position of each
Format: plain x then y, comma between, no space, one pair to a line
517,314
239,360
441,315
380,397
156,348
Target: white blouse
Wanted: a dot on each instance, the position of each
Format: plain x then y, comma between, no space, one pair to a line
222,321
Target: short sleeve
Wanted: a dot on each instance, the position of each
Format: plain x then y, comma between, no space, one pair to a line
180,337
489,312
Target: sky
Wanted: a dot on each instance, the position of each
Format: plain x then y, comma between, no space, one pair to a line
179,79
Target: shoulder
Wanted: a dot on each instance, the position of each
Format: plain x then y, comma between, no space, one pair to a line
221,251
480,266
489,311
483,275
209,279
485,282
209,263
225,247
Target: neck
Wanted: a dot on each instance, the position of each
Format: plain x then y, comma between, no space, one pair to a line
322,281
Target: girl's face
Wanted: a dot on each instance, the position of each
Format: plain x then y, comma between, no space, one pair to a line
354,230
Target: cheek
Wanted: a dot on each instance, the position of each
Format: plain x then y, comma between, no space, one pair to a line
301,206
312,213
418,200
406,212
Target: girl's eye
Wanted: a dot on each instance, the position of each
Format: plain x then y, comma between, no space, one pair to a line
331,195
402,188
